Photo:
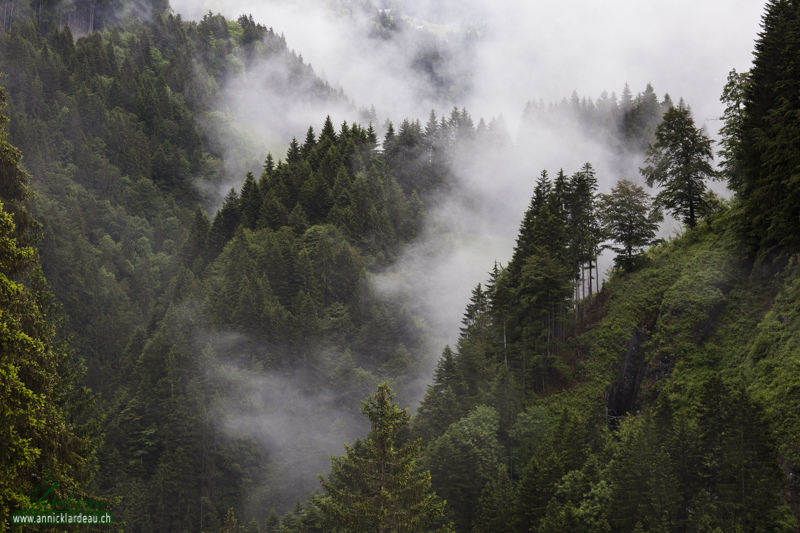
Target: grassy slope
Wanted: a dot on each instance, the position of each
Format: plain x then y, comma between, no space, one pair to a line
701,306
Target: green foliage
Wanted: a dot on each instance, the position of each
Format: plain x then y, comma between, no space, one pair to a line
630,220
679,161
665,402
48,436
463,460
698,413
768,154
374,487
495,508
732,132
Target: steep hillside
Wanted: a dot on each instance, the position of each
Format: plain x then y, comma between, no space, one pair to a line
230,352
673,405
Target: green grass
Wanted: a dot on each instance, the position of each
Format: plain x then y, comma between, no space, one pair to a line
706,309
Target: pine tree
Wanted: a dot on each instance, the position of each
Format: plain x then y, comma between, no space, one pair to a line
680,161
375,489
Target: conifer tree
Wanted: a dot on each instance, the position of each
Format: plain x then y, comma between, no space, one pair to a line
225,223
440,406
269,165
293,153
732,132
42,438
679,161
273,523
585,228
328,131
375,489
194,248
770,154
496,506
388,138
309,143
372,137
250,202
630,220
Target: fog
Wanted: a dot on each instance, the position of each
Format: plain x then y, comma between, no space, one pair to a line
523,51
527,50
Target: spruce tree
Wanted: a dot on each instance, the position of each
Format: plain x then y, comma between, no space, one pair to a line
770,154
328,131
375,489
679,161
250,201
273,523
309,143
293,153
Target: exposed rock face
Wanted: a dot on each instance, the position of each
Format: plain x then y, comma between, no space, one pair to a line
622,396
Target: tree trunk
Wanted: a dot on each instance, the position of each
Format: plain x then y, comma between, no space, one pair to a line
597,279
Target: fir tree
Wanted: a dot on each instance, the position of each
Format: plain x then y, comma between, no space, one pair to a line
293,153
328,132
250,202
375,489
680,161
309,143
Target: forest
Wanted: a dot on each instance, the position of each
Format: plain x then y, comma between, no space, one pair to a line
193,340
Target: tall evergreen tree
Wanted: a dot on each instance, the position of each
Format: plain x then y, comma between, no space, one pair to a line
679,161
374,489
770,148
250,202
732,132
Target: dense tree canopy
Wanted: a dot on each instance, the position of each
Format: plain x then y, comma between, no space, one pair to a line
233,336
45,438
